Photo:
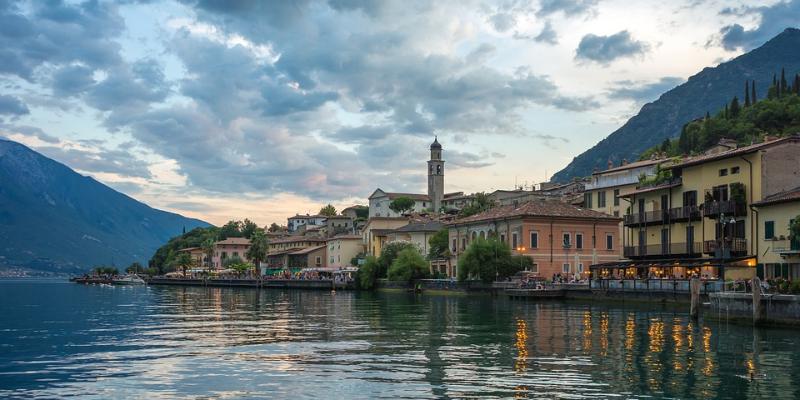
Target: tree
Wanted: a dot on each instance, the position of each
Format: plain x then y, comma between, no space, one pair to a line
389,253
665,145
230,261
753,98
734,110
184,261
402,204
249,228
134,268
259,246
794,229
747,93
438,244
208,251
796,85
480,203
368,273
240,267
408,266
487,259
328,211
782,89
273,227
102,270
231,229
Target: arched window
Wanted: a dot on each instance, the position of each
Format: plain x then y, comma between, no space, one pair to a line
483,235
474,235
438,169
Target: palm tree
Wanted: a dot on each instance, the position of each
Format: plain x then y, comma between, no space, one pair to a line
259,246
208,250
184,261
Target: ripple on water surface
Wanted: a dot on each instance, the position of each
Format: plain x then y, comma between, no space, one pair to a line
62,340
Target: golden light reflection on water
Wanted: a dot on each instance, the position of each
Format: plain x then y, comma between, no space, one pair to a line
587,331
521,363
655,333
630,341
708,364
604,334
678,339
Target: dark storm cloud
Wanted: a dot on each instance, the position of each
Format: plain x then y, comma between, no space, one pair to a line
605,49
773,20
10,105
642,92
72,80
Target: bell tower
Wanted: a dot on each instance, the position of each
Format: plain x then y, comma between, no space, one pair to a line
436,176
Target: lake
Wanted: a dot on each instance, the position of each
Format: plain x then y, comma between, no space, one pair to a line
60,339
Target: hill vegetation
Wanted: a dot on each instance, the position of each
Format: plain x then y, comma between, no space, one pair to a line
745,121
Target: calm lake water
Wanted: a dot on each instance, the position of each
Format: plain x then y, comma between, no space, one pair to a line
59,339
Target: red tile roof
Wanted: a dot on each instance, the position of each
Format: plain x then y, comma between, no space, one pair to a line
782,197
235,240
291,239
307,250
537,208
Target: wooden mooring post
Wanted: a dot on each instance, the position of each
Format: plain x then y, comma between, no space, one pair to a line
694,290
758,312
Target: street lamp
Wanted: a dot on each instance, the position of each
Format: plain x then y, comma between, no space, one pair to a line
723,222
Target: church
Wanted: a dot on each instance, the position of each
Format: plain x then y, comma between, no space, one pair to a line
433,201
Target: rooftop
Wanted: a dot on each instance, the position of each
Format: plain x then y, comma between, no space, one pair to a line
291,239
307,250
430,226
781,197
733,152
345,237
537,208
635,164
234,240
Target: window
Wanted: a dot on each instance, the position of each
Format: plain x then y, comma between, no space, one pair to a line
534,240
463,243
503,237
616,197
609,242
616,213
535,268
601,199
734,170
318,260
514,240
690,198
424,204
769,229
566,240
455,244
578,241
565,268
580,267
331,260
723,172
587,200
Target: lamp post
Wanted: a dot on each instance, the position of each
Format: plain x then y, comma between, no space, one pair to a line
723,222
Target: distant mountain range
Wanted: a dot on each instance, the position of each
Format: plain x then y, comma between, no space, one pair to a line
709,91
54,219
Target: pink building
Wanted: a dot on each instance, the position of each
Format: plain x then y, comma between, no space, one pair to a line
228,248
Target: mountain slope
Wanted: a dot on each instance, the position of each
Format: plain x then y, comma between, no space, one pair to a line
52,218
708,90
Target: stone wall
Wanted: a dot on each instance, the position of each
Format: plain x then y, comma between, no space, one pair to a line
777,309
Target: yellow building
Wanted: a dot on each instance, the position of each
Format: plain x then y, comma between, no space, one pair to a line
778,253
602,193
375,232
696,220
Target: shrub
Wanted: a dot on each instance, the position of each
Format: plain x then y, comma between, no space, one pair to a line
408,266
368,273
486,259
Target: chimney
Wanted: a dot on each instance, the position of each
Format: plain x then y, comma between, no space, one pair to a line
624,161
610,164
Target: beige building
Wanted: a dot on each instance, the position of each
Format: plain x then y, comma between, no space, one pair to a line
338,225
280,250
197,254
342,249
309,257
417,233
778,253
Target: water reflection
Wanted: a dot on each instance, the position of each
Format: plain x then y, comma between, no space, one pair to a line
68,340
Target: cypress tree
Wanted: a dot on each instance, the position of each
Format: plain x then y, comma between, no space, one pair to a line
747,93
753,94
796,86
725,114
734,110
782,89
708,115
774,80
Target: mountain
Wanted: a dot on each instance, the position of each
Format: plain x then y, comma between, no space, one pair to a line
708,90
53,219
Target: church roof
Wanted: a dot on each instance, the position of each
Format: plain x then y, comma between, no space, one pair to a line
435,144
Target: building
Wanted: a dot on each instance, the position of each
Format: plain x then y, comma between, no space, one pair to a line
559,237
298,221
379,200
197,254
342,249
778,253
417,233
280,249
696,220
353,211
602,193
339,224
309,257
230,248
456,201
375,233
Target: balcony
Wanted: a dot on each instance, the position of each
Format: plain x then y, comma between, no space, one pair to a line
713,209
663,251
647,218
683,214
725,248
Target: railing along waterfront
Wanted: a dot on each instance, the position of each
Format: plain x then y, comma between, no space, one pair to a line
671,249
654,285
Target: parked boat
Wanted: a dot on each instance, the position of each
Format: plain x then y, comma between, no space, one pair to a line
131,279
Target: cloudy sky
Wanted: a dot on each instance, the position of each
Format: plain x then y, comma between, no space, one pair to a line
231,109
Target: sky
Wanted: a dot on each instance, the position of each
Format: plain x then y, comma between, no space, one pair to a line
232,109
